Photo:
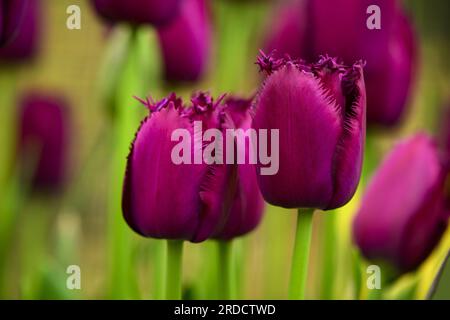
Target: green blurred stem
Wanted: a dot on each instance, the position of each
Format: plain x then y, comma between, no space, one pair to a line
300,258
124,124
329,253
174,269
159,269
226,276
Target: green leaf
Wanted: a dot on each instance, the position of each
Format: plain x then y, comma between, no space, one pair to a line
440,288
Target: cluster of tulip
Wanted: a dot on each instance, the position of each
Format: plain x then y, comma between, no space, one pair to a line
325,72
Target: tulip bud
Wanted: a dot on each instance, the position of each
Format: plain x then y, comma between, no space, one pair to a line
156,12
247,205
404,211
319,110
185,42
351,30
24,44
287,33
11,16
43,139
164,199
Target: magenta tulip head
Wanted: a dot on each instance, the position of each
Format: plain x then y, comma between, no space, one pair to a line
185,42
43,140
23,45
319,110
164,199
248,204
136,12
405,210
378,32
11,17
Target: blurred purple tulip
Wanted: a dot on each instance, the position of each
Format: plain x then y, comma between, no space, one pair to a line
248,204
185,42
404,211
340,29
24,45
162,199
43,139
11,16
156,12
320,111
287,32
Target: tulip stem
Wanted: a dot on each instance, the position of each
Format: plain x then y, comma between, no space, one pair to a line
226,277
300,258
174,269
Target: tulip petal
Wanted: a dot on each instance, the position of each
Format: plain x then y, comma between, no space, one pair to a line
161,199
348,159
295,102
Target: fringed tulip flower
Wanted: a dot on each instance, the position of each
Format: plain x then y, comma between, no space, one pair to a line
43,140
248,204
11,17
404,211
185,42
164,199
320,111
24,45
136,12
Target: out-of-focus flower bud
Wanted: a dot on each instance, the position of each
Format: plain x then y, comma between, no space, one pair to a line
24,45
185,42
404,211
156,12
43,140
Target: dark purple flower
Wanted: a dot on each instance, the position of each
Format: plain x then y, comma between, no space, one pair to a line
340,29
287,32
24,45
11,16
43,139
162,199
319,110
404,211
185,42
248,204
156,12
318,27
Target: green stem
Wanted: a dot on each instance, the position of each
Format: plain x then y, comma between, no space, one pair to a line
329,255
174,269
226,276
300,259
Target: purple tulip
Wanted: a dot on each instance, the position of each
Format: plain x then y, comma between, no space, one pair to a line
156,12
185,42
11,16
162,199
319,110
43,139
339,29
248,204
404,211
318,27
287,32
24,45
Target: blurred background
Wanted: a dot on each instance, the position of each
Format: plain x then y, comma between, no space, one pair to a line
42,233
